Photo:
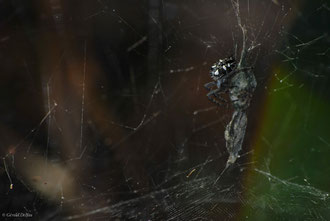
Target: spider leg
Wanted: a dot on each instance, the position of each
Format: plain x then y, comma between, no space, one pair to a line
215,93
209,85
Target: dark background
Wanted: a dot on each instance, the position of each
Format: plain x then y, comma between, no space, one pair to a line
103,113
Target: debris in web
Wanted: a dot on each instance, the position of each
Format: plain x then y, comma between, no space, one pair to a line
242,86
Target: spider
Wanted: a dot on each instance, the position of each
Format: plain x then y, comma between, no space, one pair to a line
220,72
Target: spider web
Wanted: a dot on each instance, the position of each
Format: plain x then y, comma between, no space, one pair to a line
104,114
